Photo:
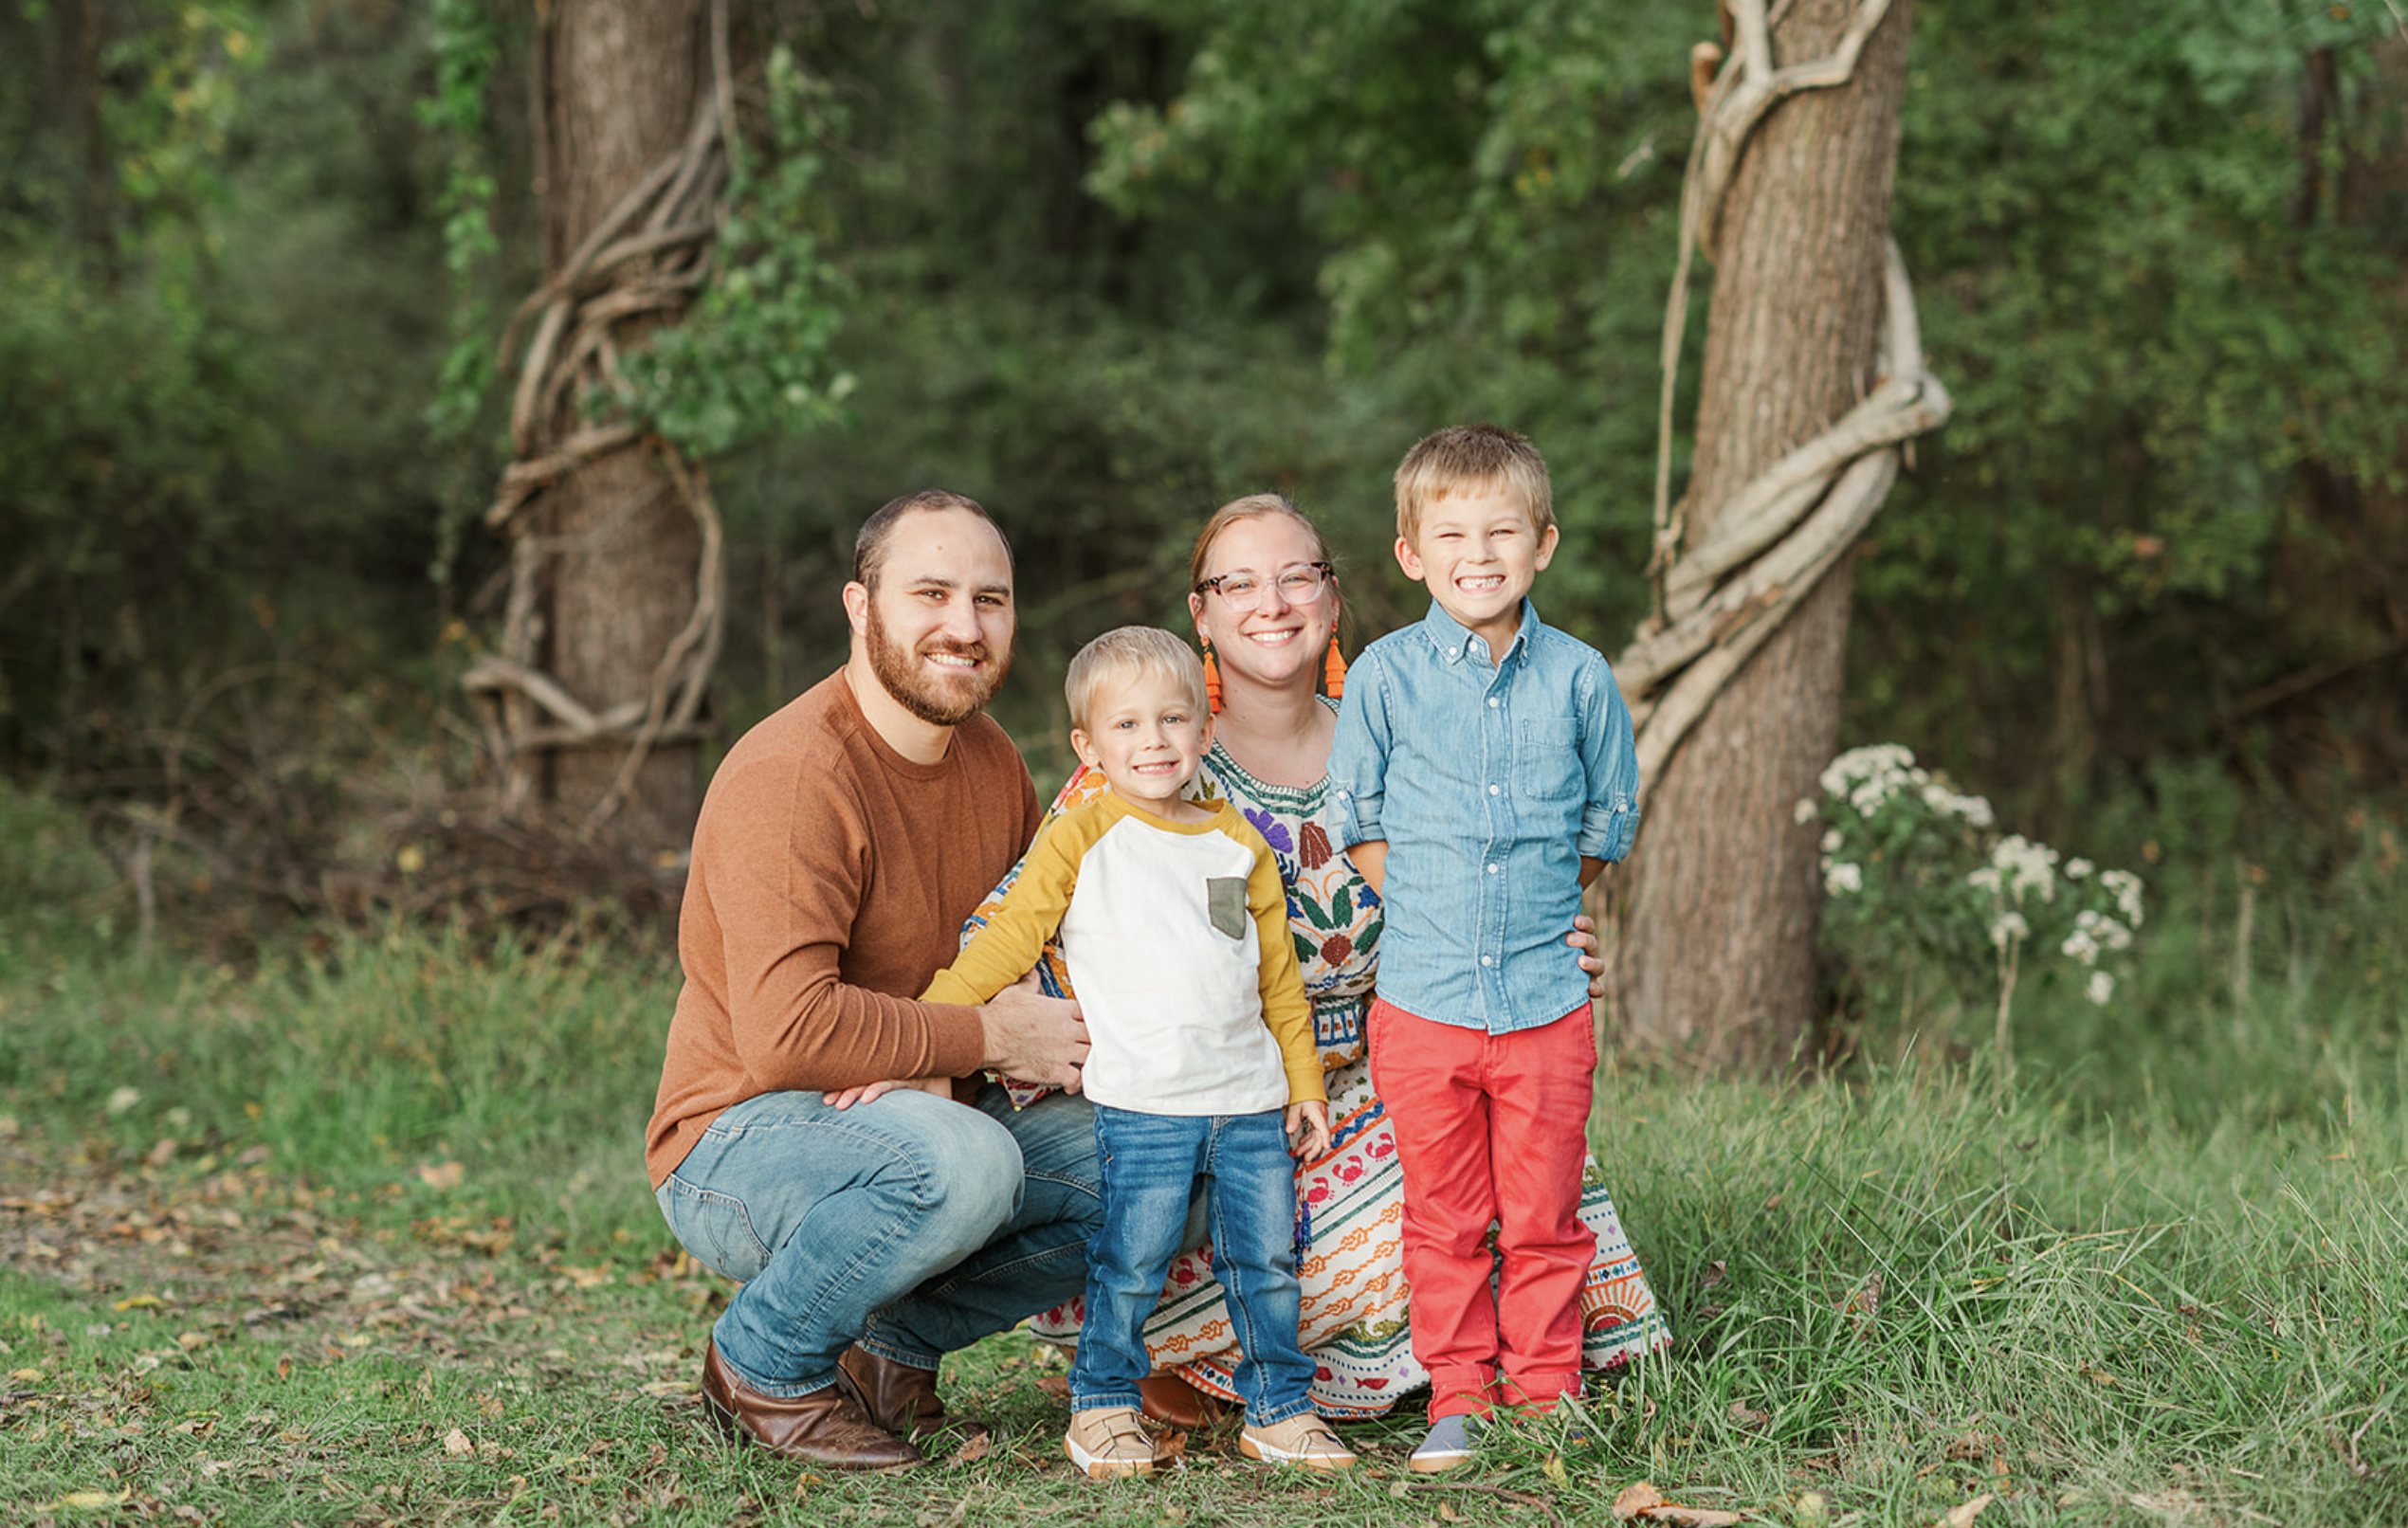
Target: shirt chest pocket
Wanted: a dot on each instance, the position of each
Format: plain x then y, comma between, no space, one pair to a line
1547,762
1225,904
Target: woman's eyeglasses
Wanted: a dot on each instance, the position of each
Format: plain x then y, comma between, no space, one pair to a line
1300,585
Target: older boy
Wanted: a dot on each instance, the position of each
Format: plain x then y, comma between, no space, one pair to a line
1174,923
1484,773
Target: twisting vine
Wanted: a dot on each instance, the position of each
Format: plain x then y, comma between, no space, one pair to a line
1775,537
694,318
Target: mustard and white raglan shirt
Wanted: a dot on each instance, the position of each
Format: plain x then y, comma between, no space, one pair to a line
1177,938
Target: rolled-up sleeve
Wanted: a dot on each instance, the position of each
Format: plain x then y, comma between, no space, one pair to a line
1609,751
1359,758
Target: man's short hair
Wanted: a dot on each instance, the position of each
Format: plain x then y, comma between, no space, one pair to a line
869,547
1129,651
1463,459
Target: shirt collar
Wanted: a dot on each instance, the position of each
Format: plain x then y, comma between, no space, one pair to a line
1454,639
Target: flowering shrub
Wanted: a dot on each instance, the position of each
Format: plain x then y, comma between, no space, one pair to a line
1918,881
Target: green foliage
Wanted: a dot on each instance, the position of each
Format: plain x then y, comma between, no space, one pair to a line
750,361
2160,323
207,360
1923,893
467,40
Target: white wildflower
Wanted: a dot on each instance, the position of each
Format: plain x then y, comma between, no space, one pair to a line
2009,927
2029,866
1986,878
1832,842
2125,887
2102,988
2082,947
1974,809
2076,868
1874,762
2113,934
1805,811
1840,880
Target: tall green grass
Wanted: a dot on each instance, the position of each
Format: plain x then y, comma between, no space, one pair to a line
353,1058
2161,1276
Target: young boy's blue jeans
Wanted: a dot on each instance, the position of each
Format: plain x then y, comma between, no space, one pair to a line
1150,1164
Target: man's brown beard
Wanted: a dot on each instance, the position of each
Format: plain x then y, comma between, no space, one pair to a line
937,702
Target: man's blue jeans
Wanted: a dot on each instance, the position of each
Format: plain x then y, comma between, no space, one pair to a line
910,1223
1151,1165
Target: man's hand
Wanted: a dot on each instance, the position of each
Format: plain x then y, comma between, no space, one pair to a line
1583,938
844,1098
1033,1037
1311,1117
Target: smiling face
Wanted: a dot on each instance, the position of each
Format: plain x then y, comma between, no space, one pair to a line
1147,735
938,628
1479,550
1278,643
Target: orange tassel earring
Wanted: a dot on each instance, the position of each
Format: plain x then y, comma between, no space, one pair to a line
1333,670
1212,680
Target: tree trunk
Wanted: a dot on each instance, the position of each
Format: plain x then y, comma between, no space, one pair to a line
1715,962
623,81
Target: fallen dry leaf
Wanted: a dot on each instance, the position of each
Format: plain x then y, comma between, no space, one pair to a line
1962,1517
441,1177
1642,1500
979,1448
457,1443
1636,1498
1747,1416
88,1500
1554,1471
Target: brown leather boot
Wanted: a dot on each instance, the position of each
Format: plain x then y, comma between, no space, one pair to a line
826,1427
899,1398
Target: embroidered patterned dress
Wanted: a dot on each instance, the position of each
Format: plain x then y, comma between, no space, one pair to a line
1353,1271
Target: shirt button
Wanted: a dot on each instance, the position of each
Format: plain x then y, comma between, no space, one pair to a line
1487,960
1495,790
1493,869
1494,702
1451,651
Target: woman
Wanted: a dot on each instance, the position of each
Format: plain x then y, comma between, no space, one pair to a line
1266,603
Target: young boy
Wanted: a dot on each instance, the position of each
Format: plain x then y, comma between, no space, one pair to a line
1484,773
1173,924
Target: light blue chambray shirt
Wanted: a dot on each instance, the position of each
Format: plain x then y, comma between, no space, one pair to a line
1489,780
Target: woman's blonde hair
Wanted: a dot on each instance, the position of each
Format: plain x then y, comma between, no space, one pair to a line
1252,507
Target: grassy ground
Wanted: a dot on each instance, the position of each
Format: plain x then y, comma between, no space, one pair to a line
360,1236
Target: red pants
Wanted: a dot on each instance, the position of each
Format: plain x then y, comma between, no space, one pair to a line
1491,1128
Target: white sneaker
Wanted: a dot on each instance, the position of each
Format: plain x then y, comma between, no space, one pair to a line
1447,1445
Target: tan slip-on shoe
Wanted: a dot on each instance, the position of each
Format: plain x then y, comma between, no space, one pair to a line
1109,1441
1304,1440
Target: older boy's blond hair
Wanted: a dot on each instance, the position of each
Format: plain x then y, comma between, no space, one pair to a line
1129,651
1471,459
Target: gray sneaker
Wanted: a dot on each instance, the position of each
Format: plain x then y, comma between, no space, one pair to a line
1449,1444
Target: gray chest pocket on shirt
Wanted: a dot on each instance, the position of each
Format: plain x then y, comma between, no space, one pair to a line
1549,766
1224,899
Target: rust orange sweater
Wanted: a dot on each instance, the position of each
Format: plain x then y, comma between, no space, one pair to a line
831,878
